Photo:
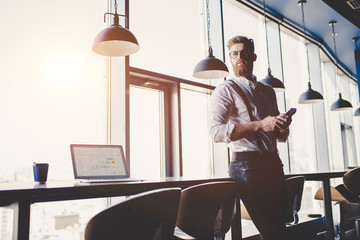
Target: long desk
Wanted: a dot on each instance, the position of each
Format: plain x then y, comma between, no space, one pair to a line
22,195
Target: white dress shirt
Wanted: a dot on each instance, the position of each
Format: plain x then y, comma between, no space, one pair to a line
228,109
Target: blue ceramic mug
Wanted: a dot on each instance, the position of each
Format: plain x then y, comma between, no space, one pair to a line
40,172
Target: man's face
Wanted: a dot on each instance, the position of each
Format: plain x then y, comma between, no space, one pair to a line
241,60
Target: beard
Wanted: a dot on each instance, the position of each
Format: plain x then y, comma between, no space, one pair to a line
244,70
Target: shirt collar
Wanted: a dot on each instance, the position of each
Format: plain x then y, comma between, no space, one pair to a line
245,81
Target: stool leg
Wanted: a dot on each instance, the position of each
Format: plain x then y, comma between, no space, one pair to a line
357,228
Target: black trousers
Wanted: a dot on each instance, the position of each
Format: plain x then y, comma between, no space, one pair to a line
261,184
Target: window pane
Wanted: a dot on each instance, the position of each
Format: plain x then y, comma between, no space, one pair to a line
254,28
52,94
146,132
165,47
333,126
196,142
64,219
301,140
356,127
7,223
52,88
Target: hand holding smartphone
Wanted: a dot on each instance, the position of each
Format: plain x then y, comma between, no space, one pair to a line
281,124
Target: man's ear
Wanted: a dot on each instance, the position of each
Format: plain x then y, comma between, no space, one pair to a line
255,57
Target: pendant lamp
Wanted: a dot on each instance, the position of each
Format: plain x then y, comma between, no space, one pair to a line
310,96
115,40
210,67
340,104
357,111
277,85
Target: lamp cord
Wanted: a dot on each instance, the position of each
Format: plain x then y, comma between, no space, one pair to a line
116,6
336,58
334,35
266,35
208,23
302,3
356,39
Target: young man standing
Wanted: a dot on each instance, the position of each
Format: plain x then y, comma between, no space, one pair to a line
244,114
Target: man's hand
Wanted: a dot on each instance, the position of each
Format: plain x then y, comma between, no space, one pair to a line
282,122
268,124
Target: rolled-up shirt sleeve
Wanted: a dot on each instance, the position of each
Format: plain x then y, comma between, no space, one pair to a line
221,105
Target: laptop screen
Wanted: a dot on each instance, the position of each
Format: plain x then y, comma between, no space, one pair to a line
98,161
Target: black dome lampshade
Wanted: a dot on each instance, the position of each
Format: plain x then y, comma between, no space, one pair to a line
310,96
115,40
270,80
340,104
277,85
210,68
357,112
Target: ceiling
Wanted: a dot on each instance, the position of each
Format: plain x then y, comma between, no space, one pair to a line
317,15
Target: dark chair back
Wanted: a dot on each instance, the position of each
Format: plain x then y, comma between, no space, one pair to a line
294,189
142,216
350,210
206,209
351,181
350,189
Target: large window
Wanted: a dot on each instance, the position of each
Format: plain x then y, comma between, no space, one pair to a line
333,118
171,46
147,131
170,35
53,90
52,94
239,21
196,142
168,128
301,140
356,126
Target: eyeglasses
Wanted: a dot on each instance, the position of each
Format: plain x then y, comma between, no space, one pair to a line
243,54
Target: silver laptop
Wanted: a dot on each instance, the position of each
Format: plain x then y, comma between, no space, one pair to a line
99,163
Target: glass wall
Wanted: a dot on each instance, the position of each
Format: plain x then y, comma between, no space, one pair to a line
53,90
52,93
333,118
171,50
356,127
170,34
301,140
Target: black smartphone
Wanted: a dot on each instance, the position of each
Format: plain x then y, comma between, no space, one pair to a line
291,112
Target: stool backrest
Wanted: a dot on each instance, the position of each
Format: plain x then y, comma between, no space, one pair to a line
351,181
206,208
294,189
142,216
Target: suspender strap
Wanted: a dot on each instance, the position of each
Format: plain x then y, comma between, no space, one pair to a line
244,97
238,89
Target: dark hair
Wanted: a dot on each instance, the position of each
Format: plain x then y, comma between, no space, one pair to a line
248,42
